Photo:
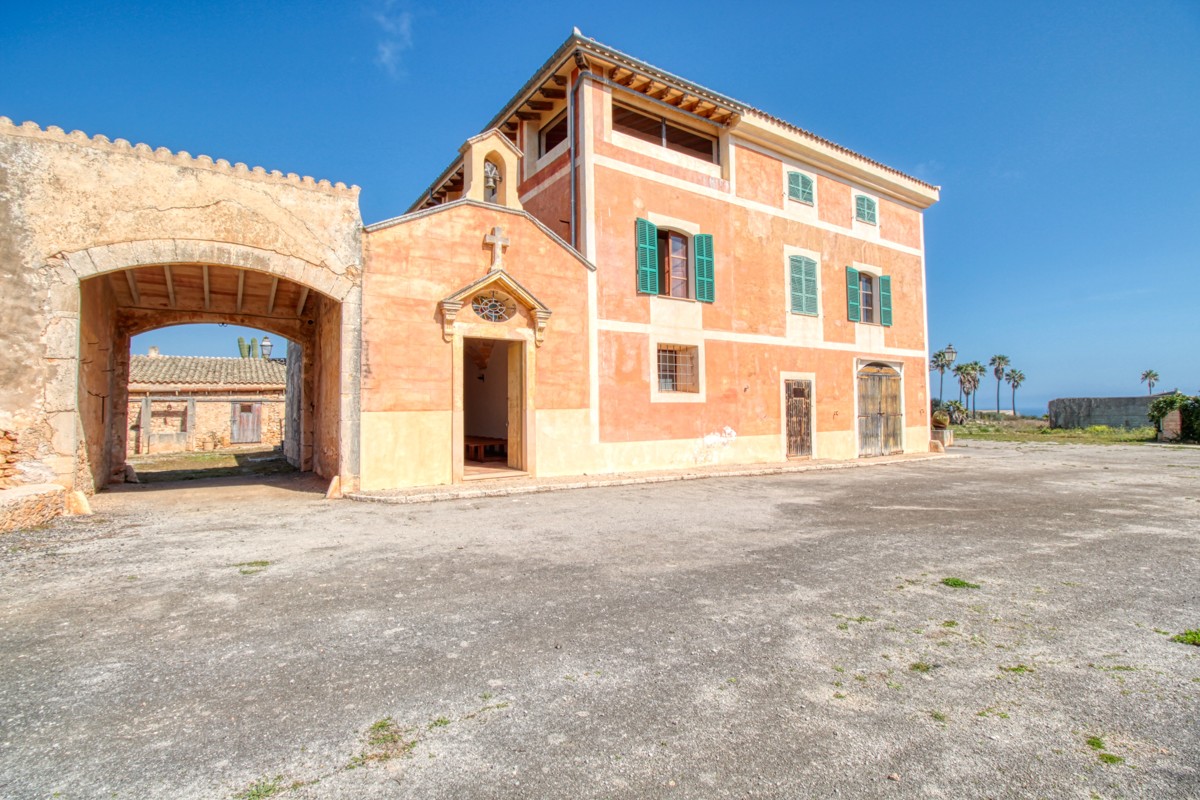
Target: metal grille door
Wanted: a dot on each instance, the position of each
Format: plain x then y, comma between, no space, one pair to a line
879,417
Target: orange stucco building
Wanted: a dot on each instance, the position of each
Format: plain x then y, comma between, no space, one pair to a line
627,271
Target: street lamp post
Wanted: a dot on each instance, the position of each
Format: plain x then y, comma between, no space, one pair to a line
266,346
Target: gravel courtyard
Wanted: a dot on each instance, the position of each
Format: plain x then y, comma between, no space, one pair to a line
770,637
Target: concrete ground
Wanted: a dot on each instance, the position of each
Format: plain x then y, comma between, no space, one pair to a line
780,636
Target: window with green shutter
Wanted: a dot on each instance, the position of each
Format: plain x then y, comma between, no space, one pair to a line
647,257
804,285
864,208
885,300
852,307
800,187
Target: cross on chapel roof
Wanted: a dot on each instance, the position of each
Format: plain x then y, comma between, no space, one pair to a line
498,242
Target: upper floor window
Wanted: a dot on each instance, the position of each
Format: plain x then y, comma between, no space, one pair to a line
657,130
868,297
673,264
803,275
552,134
800,187
864,209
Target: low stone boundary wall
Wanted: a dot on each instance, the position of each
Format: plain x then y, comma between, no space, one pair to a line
31,504
1115,412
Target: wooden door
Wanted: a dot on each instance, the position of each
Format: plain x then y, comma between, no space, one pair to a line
798,396
879,419
246,425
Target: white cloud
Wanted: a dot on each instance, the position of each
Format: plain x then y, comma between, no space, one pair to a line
395,26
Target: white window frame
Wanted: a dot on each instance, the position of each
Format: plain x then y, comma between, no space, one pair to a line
690,230
802,327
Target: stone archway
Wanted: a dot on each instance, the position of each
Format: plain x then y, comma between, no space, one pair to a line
132,287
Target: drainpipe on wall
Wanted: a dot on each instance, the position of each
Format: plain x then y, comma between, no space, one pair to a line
572,107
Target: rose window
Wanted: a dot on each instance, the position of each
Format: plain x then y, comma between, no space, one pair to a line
493,306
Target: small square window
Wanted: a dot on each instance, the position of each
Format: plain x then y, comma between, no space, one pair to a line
678,368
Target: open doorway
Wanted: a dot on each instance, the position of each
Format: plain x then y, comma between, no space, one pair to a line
493,405
209,400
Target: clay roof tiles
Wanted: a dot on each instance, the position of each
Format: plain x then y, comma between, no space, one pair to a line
207,371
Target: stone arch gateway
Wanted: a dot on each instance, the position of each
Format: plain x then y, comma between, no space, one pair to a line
107,239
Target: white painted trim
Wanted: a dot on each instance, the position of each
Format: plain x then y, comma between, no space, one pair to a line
707,192
811,377
798,208
620,326
866,230
805,166
660,153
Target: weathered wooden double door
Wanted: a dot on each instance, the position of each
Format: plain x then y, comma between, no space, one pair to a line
879,415
798,396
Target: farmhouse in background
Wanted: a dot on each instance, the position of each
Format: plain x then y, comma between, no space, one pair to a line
180,403
624,270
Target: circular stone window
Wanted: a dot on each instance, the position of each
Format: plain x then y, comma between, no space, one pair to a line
493,306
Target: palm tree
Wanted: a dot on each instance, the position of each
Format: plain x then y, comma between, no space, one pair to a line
962,372
977,372
1150,377
941,362
969,374
1015,378
998,364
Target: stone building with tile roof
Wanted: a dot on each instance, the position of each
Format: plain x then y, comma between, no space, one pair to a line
182,403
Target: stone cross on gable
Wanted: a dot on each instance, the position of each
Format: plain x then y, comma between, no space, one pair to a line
498,242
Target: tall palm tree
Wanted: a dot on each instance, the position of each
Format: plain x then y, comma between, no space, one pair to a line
1015,378
1150,377
962,372
998,364
977,372
941,362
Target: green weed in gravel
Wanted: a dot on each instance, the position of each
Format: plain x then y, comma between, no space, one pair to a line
959,583
920,666
1109,758
1188,637
251,567
1019,669
1095,742
262,788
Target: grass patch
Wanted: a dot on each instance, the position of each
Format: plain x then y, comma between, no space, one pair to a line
1019,669
1191,637
251,567
385,740
1036,430
949,624
937,716
1095,742
959,583
1109,758
920,666
440,722
262,788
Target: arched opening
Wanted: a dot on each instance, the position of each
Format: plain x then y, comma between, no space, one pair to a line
880,414
120,304
494,189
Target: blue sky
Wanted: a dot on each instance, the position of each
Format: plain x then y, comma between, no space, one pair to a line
1063,134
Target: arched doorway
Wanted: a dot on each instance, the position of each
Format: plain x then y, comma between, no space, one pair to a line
880,416
268,294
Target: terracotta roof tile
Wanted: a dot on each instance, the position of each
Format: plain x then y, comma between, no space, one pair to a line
207,371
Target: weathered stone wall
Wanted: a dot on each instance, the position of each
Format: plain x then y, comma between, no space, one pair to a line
1115,412
31,504
73,207
210,427
1171,428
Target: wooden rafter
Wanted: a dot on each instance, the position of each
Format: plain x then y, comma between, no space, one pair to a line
559,79
553,94
131,279
170,284
271,296
207,293
689,103
540,105
657,90
241,289
303,300
529,115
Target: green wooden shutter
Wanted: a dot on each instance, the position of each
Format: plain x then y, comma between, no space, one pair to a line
703,242
806,189
810,287
794,188
864,208
647,257
885,299
803,285
852,306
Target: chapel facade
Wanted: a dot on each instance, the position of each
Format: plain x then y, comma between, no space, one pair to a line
624,271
